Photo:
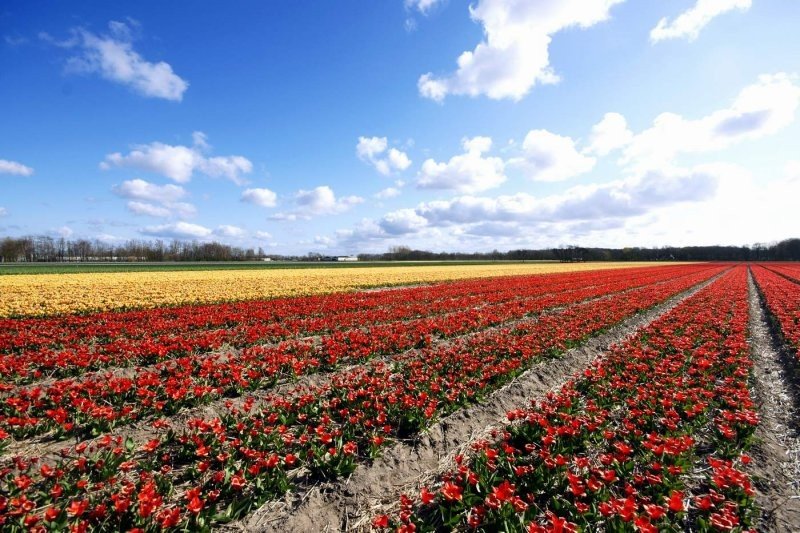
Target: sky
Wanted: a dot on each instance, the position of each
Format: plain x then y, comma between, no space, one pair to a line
355,126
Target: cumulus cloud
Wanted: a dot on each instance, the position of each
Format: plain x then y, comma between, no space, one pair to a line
610,134
523,219
14,168
760,109
688,24
317,202
514,54
550,157
402,221
140,189
323,240
373,150
261,197
149,199
143,208
180,162
769,205
263,235
3,211
655,185
623,198
469,172
494,229
178,230
175,162
233,232
388,192
423,7
111,56
177,209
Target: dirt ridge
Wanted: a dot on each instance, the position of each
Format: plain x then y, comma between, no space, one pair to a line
776,455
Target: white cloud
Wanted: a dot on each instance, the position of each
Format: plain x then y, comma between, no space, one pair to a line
521,219
760,109
324,241
623,198
477,144
770,208
3,211
689,23
180,162
609,134
398,159
175,162
149,199
388,192
166,210
182,209
139,189
373,150
514,55
112,57
369,147
423,6
262,197
263,235
178,230
230,167
200,141
227,230
402,221
658,201
550,157
468,172
322,200
143,208
12,167
316,202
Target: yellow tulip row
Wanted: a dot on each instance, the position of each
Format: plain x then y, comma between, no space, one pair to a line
53,294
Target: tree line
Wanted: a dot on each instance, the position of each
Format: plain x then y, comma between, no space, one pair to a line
49,249
786,250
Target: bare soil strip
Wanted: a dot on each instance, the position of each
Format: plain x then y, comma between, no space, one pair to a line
350,504
776,454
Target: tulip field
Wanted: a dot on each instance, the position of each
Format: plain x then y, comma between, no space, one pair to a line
50,294
147,403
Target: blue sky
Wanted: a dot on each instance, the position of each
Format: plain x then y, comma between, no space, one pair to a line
343,127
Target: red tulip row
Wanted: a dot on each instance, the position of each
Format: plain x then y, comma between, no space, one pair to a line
98,402
220,468
649,438
59,347
782,297
790,270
